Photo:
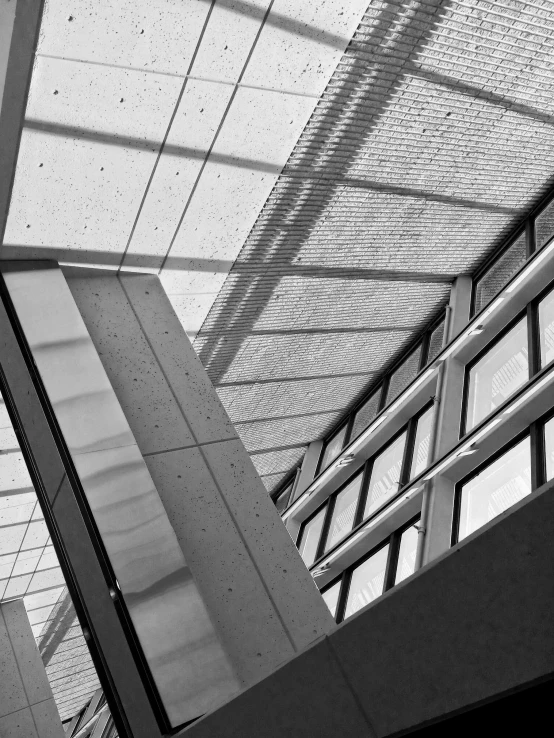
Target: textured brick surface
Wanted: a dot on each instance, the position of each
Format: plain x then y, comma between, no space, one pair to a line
432,140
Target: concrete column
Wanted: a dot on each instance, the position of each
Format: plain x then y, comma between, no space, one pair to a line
441,497
27,707
257,590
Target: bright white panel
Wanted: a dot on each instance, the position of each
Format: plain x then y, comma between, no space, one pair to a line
36,535
15,513
302,42
11,538
189,140
152,34
17,586
253,146
46,579
228,39
13,473
192,310
79,183
41,599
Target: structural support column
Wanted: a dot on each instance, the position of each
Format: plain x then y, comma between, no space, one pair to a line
438,524
27,707
262,600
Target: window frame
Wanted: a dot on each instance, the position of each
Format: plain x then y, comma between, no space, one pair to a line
331,500
455,532
303,525
347,428
524,313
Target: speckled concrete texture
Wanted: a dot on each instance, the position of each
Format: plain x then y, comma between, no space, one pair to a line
27,707
259,594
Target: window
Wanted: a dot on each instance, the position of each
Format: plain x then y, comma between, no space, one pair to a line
544,225
420,456
385,475
404,374
283,499
500,273
366,413
309,537
435,342
343,512
333,447
497,375
367,581
497,487
546,328
407,553
331,597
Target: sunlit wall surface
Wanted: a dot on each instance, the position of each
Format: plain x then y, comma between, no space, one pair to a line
190,669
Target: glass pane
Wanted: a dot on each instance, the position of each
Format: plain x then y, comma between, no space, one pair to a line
385,475
420,457
310,537
402,376
282,501
498,374
366,413
503,483
367,582
331,597
546,328
406,553
544,225
342,519
333,448
435,342
549,448
500,273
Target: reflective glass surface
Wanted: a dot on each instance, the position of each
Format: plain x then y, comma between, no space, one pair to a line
310,537
385,475
498,374
342,518
420,457
406,553
366,413
546,328
367,582
549,448
544,225
500,273
331,597
435,342
333,448
499,486
282,501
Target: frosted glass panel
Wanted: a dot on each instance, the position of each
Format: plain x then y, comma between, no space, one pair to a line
498,374
406,554
546,328
342,519
499,486
367,582
310,537
333,448
420,458
385,475
331,598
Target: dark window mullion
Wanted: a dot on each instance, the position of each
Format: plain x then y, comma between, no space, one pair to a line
326,525
349,426
392,561
538,458
530,236
384,392
408,452
533,339
424,350
343,596
363,493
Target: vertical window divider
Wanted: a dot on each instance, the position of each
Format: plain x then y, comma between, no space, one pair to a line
530,241
349,426
533,338
426,340
363,492
392,560
384,391
408,452
343,594
326,525
538,458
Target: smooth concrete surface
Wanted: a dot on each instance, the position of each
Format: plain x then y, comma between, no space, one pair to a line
260,596
474,625
27,708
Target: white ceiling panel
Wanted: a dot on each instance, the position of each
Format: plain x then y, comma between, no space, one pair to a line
158,34
13,475
89,144
228,39
301,43
192,309
189,139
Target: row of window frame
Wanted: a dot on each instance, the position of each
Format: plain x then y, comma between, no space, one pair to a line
410,428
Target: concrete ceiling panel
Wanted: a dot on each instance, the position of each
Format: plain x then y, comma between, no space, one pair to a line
301,43
90,141
160,35
188,142
228,39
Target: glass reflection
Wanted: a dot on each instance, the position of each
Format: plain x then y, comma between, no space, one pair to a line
344,510
367,582
546,328
282,501
420,458
331,598
333,448
499,486
366,413
406,553
310,537
385,475
498,374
